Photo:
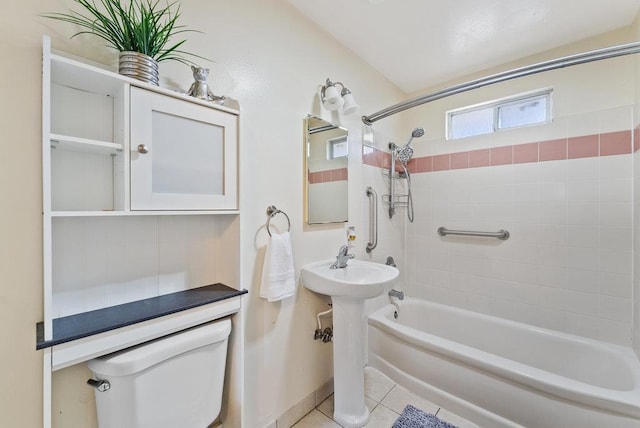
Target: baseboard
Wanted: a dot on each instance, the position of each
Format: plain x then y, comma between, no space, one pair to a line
303,407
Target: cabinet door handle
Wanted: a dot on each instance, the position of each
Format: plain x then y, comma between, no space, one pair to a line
143,149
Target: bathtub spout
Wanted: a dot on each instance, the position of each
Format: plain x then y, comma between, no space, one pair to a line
396,293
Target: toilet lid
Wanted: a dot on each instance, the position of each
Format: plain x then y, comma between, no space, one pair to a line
140,357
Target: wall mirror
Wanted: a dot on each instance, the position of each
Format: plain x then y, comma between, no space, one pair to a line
326,151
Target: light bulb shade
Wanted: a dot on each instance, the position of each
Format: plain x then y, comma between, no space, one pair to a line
331,98
350,105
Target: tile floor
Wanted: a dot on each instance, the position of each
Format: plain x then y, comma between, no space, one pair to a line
385,400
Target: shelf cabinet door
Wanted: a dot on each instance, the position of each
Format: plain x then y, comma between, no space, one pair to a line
183,155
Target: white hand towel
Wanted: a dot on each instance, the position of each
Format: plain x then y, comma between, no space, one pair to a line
278,274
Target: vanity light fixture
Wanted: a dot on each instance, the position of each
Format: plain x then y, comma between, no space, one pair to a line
333,100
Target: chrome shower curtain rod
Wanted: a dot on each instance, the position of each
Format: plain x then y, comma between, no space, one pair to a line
581,58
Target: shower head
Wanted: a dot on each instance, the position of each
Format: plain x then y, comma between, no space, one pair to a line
416,133
404,154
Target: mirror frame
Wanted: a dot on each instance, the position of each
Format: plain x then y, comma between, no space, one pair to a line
307,191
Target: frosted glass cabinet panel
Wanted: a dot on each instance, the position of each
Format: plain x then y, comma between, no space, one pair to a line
183,155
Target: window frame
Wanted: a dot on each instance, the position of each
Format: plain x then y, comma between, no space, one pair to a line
495,105
332,142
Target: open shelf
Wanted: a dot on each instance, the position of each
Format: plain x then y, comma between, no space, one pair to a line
69,72
117,213
87,324
67,142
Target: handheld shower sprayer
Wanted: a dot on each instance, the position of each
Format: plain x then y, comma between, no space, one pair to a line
403,154
416,133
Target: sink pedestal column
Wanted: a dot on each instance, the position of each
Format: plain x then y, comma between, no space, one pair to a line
348,362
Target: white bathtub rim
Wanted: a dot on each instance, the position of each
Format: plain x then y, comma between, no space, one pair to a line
623,402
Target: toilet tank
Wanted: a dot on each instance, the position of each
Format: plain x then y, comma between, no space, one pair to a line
173,381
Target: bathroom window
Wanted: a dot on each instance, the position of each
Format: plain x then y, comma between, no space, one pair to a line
532,108
337,147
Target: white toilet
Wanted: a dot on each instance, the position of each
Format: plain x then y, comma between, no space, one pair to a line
174,381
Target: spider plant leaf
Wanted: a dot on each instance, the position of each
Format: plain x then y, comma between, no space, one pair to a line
144,26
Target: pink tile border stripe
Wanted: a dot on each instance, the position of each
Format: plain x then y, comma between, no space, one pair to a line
328,176
608,144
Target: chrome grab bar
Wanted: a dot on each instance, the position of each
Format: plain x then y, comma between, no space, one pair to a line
501,234
373,219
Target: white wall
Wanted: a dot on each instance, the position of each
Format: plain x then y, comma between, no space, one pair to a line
568,264
272,60
636,199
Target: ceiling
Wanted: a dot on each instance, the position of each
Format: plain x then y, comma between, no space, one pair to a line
421,43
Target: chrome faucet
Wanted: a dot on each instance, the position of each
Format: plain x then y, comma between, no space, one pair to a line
342,258
396,293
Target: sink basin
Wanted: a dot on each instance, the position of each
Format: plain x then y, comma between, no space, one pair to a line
360,279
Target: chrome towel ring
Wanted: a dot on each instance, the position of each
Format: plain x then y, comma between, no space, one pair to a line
272,211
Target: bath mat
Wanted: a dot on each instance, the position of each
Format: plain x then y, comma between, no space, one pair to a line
412,417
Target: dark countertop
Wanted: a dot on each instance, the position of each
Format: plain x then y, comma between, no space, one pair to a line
86,324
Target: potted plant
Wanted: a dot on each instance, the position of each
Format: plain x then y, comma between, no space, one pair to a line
140,29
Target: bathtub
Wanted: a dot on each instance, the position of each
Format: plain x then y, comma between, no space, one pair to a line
499,373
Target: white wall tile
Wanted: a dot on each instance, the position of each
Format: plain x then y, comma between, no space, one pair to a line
479,303
541,316
583,325
440,278
615,284
553,171
527,212
581,191
616,190
553,192
525,253
583,258
550,234
526,173
584,124
582,236
550,255
583,280
615,215
615,261
583,169
553,276
616,119
614,332
568,262
620,166
615,309
553,212
583,214
621,238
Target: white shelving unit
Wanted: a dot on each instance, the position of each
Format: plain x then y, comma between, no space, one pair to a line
99,252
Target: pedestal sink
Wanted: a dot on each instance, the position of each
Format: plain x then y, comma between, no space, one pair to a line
349,287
